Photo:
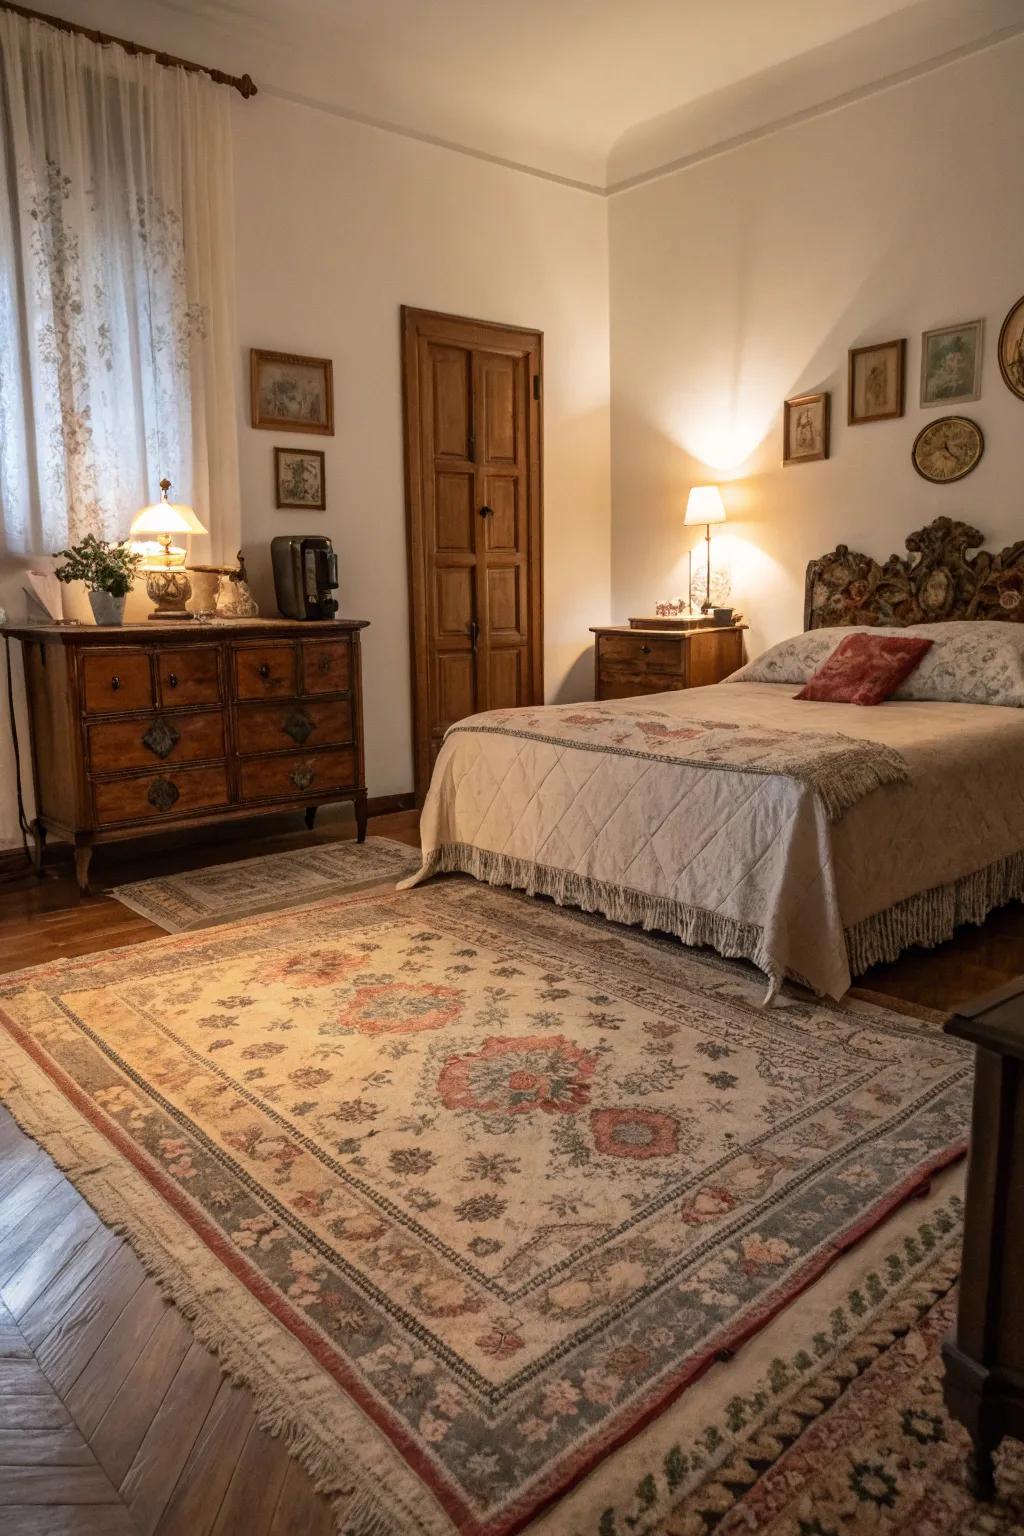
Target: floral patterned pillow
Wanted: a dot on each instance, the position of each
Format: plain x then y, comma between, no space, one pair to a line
865,669
970,661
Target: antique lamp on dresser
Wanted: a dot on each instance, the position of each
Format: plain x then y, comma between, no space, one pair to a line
144,726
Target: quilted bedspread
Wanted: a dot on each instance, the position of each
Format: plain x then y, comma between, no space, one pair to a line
804,837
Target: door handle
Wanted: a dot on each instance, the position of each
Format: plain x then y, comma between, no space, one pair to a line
474,633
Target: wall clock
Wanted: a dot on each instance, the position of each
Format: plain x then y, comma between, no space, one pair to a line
947,449
1011,350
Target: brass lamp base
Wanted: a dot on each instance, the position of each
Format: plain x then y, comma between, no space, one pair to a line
169,589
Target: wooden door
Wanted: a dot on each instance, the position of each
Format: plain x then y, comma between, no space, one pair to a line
473,491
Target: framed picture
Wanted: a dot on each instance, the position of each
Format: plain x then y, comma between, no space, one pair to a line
300,479
947,449
290,393
805,423
876,382
951,364
1011,350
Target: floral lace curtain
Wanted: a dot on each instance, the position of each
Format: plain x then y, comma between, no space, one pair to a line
117,353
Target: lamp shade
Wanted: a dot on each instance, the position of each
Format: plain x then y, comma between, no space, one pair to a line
165,517
704,505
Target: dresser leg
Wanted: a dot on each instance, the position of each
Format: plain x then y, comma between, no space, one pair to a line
38,844
360,809
311,811
83,858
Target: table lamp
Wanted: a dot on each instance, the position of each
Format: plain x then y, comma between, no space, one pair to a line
167,583
705,505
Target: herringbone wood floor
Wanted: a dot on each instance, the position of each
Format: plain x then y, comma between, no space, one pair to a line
113,1421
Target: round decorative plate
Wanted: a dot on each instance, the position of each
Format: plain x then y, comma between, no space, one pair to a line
947,449
1011,350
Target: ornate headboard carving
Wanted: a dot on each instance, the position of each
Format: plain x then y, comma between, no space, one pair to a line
939,579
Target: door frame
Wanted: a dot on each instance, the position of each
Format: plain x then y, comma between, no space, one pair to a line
417,324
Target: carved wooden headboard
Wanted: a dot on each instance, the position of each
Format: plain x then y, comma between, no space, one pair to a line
938,580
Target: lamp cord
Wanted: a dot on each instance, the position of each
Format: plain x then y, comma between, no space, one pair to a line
22,818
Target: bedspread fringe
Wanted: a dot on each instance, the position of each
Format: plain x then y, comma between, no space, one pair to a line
930,917
620,903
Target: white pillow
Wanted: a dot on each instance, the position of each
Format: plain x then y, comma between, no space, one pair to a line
971,661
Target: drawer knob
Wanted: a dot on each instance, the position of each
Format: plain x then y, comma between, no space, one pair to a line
163,794
172,679
324,664
298,726
264,669
162,737
302,778
645,650
115,683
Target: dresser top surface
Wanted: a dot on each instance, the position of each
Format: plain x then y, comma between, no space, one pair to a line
181,629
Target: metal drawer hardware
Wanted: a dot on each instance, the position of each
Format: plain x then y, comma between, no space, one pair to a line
172,679
263,669
302,778
115,683
162,737
645,650
298,726
163,794
324,664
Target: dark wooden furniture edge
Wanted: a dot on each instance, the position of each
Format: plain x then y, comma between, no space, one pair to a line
174,634
984,1362
939,578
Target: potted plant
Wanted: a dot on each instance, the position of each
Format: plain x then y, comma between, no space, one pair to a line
108,571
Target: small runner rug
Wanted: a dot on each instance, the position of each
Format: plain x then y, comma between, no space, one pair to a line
199,898
467,1188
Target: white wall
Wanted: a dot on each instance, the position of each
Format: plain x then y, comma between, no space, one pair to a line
337,226
745,279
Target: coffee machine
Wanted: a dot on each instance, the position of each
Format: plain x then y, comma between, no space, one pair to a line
305,575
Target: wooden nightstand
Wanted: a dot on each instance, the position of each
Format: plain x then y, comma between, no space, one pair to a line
631,661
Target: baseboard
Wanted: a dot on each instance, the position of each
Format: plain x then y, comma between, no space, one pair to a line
13,861
385,805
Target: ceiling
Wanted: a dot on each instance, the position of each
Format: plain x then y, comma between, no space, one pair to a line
599,92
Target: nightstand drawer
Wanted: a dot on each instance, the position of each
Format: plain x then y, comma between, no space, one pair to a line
642,653
115,745
116,681
624,685
289,778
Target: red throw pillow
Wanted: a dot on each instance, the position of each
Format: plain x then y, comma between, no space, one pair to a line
865,669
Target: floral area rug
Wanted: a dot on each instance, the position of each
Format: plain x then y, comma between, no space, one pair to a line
509,1178
222,893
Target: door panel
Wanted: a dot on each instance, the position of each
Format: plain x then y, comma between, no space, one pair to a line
501,494
472,419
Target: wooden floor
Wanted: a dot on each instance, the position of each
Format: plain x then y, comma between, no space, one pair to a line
113,1421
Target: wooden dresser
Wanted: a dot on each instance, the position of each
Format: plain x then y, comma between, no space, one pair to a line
631,661
184,725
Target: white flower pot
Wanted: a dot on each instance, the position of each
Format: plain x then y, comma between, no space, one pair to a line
106,608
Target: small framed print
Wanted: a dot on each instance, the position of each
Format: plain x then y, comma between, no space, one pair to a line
875,388
805,427
300,479
1011,350
951,364
291,393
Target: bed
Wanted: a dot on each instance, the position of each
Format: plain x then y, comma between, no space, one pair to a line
813,839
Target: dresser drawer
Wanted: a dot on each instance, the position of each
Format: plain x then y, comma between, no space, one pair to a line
190,676
115,745
153,796
628,685
278,727
117,681
289,778
642,654
326,665
265,671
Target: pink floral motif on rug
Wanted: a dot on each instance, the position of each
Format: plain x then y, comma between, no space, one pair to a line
511,1177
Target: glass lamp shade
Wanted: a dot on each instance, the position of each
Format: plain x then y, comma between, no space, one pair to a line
704,505
159,523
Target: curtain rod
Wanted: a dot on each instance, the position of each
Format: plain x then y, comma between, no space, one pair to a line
243,84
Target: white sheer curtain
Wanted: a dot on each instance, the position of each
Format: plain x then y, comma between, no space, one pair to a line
117,349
